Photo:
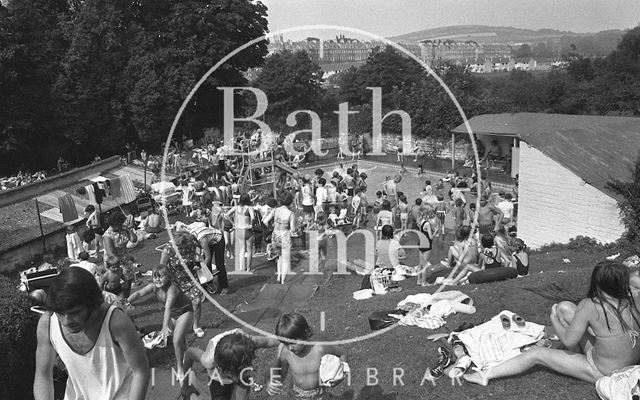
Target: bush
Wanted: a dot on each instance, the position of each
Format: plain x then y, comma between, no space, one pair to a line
18,342
583,244
629,204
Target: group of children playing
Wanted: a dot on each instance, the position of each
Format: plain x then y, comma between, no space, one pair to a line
229,357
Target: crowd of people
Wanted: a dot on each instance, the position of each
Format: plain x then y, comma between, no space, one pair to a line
224,218
20,179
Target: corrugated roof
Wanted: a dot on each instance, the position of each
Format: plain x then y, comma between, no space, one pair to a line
595,148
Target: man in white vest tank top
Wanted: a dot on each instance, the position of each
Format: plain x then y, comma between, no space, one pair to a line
98,344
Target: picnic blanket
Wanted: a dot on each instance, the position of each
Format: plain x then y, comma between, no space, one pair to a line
490,344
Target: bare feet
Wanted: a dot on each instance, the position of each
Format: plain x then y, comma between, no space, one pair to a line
476,377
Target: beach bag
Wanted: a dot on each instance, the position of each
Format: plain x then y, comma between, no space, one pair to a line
204,274
620,384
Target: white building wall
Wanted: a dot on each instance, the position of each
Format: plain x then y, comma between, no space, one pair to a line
555,205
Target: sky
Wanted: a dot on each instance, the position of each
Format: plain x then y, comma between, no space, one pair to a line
388,18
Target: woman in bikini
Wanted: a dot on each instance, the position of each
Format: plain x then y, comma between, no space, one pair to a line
463,255
243,214
284,224
385,217
600,333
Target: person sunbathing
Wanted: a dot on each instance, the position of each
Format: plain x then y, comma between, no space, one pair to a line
463,254
600,333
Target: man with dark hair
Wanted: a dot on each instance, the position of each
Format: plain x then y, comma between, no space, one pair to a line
489,217
98,343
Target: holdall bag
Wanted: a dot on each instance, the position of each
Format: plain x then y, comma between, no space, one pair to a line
620,385
382,319
204,274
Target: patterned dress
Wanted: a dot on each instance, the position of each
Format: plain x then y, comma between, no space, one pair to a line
180,278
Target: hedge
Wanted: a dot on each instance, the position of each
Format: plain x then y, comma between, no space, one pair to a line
18,342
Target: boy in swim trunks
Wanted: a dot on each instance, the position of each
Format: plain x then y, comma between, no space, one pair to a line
303,360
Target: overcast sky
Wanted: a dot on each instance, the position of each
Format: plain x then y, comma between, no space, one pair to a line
394,17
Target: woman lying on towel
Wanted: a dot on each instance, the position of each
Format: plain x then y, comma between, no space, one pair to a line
600,333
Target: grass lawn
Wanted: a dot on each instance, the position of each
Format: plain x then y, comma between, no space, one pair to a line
408,349
404,348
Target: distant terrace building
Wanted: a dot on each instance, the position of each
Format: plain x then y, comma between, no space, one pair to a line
469,52
332,55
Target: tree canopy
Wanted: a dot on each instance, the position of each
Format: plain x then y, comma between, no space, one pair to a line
81,78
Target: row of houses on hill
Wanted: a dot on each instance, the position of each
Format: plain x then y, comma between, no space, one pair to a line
343,52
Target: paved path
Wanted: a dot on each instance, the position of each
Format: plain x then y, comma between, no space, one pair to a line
263,312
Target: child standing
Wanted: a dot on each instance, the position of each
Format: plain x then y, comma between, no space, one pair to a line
187,197
459,213
403,209
228,359
112,280
355,207
385,217
332,220
332,192
320,225
377,204
303,360
441,213
91,243
74,244
520,258
472,213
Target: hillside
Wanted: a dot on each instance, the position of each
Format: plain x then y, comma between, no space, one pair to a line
484,34
589,44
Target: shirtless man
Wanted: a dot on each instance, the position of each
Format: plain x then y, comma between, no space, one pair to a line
415,214
489,217
392,193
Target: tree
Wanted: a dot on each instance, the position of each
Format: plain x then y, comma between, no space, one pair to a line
524,51
386,69
90,90
350,88
291,81
31,45
630,203
174,45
